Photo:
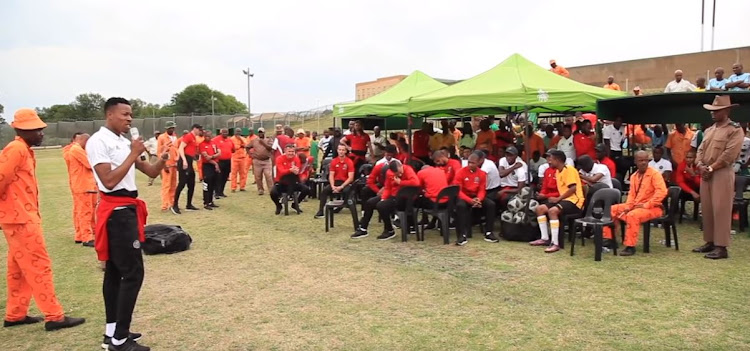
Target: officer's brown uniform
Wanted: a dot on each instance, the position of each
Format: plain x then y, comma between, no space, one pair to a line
720,148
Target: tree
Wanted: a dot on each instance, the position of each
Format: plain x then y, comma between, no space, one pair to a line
196,99
2,119
56,113
88,107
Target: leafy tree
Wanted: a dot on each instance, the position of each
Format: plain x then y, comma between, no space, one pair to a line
88,106
2,110
57,113
196,99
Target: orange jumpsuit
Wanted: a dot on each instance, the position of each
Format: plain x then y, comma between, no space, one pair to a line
648,191
29,265
83,187
199,165
238,175
168,174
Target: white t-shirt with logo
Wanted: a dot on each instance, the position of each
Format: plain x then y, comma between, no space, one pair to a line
614,136
566,146
493,176
520,174
107,147
600,169
661,166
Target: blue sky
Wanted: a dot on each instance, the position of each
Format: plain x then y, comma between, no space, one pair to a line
309,53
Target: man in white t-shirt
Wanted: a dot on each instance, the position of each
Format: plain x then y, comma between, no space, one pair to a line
514,173
566,142
114,159
679,85
613,135
593,172
661,164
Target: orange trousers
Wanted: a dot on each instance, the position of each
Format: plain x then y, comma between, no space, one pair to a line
168,187
239,173
633,220
84,208
29,273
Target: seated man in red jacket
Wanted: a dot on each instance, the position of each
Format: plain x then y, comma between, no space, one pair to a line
432,180
376,179
547,180
448,165
688,177
397,176
287,178
473,195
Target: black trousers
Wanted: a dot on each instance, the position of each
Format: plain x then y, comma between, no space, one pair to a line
221,180
209,183
279,189
123,272
464,212
369,207
328,191
186,177
366,193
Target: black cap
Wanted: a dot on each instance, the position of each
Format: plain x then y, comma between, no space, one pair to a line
549,152
197,126
391,149
599,147
511,150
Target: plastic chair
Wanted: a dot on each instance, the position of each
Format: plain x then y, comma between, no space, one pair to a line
321,178
598,216
407,195
572,229
667,220
616,184
288,180
740,203
338,204
683,202
443,213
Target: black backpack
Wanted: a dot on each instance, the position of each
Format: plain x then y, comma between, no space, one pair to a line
163,238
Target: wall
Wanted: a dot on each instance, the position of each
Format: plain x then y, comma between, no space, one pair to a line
365,90
653,74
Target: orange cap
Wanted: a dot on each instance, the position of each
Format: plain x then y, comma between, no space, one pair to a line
27,119
552,61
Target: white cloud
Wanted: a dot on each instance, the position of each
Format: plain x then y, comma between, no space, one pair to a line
303,52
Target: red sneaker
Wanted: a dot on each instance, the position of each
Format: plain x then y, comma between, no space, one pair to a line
539,242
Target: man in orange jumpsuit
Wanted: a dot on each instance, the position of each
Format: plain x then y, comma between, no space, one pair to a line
238,174
83,187
557,69
647,190
167,142
29,265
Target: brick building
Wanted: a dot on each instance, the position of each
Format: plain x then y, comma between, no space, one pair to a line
653,74
367,89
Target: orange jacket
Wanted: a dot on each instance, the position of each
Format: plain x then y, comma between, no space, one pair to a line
80,173
163,144
648,191
19,190
239,147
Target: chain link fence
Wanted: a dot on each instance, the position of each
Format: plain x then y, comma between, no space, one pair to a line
60,133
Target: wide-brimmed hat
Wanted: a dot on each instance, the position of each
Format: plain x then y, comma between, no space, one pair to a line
170,124
27,119
720,102
261,130
300,131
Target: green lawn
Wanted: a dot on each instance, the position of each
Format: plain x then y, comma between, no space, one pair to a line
255,281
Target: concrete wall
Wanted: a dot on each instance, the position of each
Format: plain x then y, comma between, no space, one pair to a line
653,74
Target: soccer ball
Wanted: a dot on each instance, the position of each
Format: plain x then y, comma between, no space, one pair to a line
507,217
525,193
519,217
533,204
515,204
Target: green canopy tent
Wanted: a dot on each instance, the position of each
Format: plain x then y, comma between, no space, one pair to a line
671,107
515,85
392,102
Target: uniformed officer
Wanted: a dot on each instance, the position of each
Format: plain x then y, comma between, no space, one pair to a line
719,149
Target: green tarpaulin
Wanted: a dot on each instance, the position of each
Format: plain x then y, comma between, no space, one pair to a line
392,102
671,107
512,86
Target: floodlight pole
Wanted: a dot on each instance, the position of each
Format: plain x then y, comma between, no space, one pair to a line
703,11
713,26
249,75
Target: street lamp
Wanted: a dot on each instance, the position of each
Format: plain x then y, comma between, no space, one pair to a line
213,99
249,75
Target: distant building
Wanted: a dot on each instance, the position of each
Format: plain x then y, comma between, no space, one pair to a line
653,74
367,89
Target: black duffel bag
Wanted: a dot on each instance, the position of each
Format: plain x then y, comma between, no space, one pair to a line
165,239
520,231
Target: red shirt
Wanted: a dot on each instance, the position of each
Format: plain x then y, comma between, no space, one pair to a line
610,164
208,147
420,144
687,182
503,138
341,169
402,156
191,147
357,142
283,141
284,165
409,178
584,145
306,170
472,184
432,181
226,146
549,183
374,181
450,169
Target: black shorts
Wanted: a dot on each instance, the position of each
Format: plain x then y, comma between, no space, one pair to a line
566,207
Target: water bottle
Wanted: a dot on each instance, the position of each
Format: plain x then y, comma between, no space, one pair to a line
134,134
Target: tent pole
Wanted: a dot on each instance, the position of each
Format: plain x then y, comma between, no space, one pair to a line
527,143
408,137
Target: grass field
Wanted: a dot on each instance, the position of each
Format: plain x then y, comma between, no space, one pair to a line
255,281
